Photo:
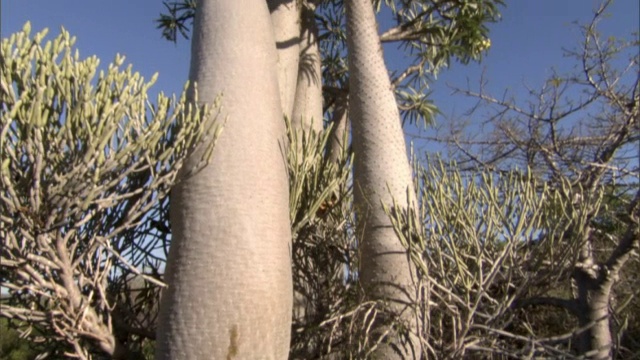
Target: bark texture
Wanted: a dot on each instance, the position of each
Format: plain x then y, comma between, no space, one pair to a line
307,108
285,16
381,173
229,267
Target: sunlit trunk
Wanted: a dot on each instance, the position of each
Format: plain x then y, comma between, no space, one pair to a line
229,267
307,108
285,16
381,173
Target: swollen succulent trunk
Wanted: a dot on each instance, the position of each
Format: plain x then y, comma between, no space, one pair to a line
381,173
229,267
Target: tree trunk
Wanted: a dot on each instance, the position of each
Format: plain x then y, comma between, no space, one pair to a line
341,128
307,108
381,173
594,293
285,16
600,333
229,266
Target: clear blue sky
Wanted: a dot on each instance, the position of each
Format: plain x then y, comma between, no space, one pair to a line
526,44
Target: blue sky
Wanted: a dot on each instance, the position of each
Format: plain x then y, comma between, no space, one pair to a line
529,42
526,44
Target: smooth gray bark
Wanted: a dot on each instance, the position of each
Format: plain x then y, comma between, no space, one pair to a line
229,267
381,173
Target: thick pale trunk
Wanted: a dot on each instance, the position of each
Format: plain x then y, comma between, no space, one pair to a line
381,173
307,107
285,16
229,267
341,128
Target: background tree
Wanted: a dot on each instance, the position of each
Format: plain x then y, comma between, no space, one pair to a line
578,135
83,161
468,238
285,16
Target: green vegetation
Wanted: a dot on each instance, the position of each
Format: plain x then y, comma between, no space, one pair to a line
12,345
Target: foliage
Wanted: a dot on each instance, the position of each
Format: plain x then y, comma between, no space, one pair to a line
12,346
577,135
323,246
83,162
478,240
178,20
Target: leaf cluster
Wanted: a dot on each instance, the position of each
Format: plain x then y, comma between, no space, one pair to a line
83,161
